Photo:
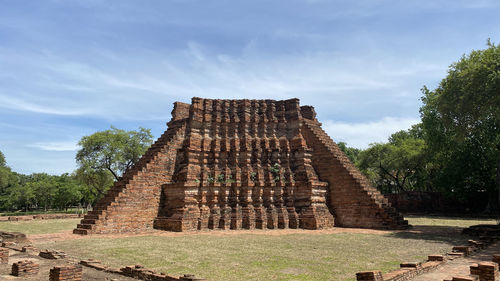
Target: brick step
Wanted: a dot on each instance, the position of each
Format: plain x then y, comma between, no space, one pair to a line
88,221
90,217
80,231
84,226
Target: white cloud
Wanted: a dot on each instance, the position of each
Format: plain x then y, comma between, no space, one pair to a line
55,146
20,104
143,87
360,135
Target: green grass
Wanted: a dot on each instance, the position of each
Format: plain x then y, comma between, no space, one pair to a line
301,256
447,221
39,226
258,257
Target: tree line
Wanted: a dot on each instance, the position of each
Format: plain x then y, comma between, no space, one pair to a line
454,150
102,158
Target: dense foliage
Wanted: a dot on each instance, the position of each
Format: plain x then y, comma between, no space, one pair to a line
455,149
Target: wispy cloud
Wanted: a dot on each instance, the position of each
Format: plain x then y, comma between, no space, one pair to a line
360,135
70,87
20,104
56,146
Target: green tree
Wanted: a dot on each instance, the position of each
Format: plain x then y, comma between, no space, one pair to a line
113,150
351,152
96,183
2,160
44,188
461,125
396,166
68,193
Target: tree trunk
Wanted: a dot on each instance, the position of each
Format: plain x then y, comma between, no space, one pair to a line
498,183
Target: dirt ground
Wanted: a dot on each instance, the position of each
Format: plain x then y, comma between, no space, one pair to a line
452,268
45,266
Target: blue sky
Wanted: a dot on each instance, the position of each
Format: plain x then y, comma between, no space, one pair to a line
71,68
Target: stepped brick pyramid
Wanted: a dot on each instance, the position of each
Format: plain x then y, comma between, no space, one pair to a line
241,164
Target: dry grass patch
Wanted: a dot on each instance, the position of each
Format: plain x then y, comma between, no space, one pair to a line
39,226
258,257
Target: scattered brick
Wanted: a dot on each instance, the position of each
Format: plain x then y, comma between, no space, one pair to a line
487,271
369,276
466,250
4,255
29,249
496,259
25,268
465,278
435,258
54,255
191,277
66,273
410,264
477,244
454,255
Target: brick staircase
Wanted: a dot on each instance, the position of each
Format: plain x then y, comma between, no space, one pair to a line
117,194
356,203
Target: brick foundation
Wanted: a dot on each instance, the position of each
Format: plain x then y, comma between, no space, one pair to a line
66,273
25,268
241,164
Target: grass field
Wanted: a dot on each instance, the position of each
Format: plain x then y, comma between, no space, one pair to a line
39,226
302,256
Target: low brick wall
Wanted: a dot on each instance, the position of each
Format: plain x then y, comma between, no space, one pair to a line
25,268
66,273
139,272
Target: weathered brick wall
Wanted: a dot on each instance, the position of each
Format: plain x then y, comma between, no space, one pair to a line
227,177
133,202
233,164
355,203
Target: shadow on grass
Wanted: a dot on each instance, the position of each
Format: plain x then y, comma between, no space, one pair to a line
451,217
445,234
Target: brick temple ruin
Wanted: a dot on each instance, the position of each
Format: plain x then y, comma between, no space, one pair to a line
241,164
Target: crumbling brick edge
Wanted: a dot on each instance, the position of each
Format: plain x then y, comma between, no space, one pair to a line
133,271
138,271
409,270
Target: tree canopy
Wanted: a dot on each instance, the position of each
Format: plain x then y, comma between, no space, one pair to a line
461,125
395,166
113,150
